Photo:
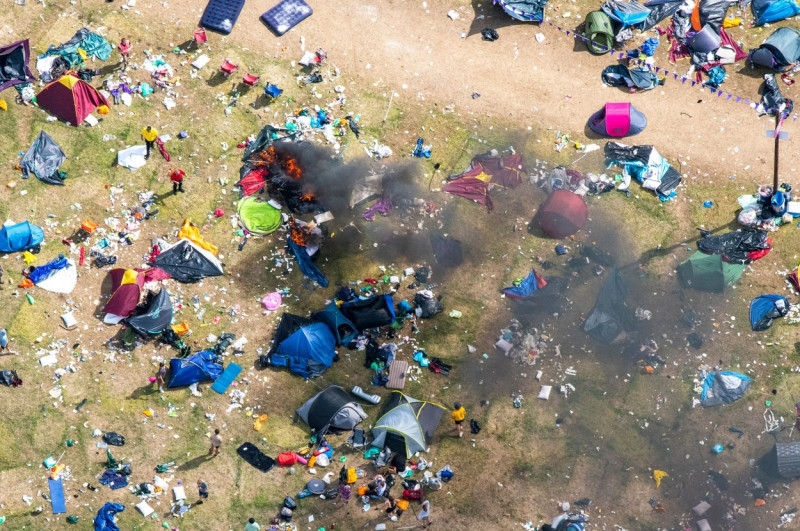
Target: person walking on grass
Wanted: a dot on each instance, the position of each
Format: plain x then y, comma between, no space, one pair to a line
161,376
216,442
149,136
425,514
202,491
457,416
124,49
177,180
3,341
252,525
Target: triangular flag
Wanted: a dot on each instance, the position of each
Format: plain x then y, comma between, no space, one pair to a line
694,83
666,72
674,75
656,69
747,102
729,96
567,32
738,99
719,93
683,79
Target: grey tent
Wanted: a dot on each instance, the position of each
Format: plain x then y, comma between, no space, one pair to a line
659,10
408,424
787,458
610,318
618,120
43,159
187,262
156,316
723,387
710,13
780,51
331,410
639,77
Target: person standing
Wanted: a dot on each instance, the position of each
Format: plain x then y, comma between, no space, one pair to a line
252,525
457,416
149,136
161,376
177,180
124,49
202,491
216,442
3,340
425,514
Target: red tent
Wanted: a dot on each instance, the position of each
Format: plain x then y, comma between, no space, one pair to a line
470,188
126,287
505,171
70,99
563,214
253,181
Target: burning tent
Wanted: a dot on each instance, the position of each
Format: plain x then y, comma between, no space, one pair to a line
491,167
304,241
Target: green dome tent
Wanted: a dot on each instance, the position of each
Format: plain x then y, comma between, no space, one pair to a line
599,32
708,272
259,217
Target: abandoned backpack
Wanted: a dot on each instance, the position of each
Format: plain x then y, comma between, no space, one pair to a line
287,459
474,427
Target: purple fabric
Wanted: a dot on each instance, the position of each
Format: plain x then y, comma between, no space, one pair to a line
382,205
6,53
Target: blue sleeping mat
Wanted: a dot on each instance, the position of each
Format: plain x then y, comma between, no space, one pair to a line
226,378
286,15
57,496
221,15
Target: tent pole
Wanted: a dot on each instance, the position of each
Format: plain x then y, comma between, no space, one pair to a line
777,143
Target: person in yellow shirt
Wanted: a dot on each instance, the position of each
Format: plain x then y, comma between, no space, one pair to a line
149,136
458,415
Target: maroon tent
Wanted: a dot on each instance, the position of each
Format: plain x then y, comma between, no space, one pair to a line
470,188
70,99
126,288
563,214
505,171
14,68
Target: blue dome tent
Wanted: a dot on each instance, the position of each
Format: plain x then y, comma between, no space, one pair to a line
303,345
195,368
20,237
768,11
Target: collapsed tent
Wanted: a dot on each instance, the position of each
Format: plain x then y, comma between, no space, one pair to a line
253,182
562,214
20,237
646,165
72,54
372,312
491,167
43,159
104,521
768,11
626,13
344,330
765,308
331,410
739,247
14,69
708,272
155,317
447,251
524,10
196,368
527,287
659,10
610,318
306,264
303,345
779,52
132,157
618,120
723,387
407,425
186,262
190,232
710,13
59,275
472,189
638,77
366,188
70,99
259,217
599,32
126,289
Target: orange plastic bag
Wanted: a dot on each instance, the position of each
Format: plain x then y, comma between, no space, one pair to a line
259,421
362,491
180,328
26,283
103,109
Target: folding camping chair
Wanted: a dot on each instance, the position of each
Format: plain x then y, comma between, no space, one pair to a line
199,37
358,439
228,68
250,79
272,91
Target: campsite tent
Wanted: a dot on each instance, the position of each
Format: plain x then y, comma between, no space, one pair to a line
342,328
491,167
20,237
156,317
192,369
14,69
43,159
610,318
765,308
331,410
626,13
639,77
70,99
723,387
780,51
708,272
59,275
407,424
187,262
710,13
562,214
126,288
259,217
525,10
373,312
618,120
599,32
304,345
768,11
659,10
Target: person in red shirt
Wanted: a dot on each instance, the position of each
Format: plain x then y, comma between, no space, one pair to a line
124,50
177,180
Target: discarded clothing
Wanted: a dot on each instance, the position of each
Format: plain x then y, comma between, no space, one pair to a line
771,98
113,480
114,439
10,378
382,206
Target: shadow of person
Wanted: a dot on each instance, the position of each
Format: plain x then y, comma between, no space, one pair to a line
143,391
194,463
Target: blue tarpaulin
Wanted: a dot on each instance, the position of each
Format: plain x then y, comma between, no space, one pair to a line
723,387
196,368
533,282
306,265
44,271
104,521
765,308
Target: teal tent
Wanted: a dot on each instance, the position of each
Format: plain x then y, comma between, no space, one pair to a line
708,272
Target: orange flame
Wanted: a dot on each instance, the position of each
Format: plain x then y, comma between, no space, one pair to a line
271,157
298,234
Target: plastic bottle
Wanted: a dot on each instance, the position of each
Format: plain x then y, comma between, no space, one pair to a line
30,298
